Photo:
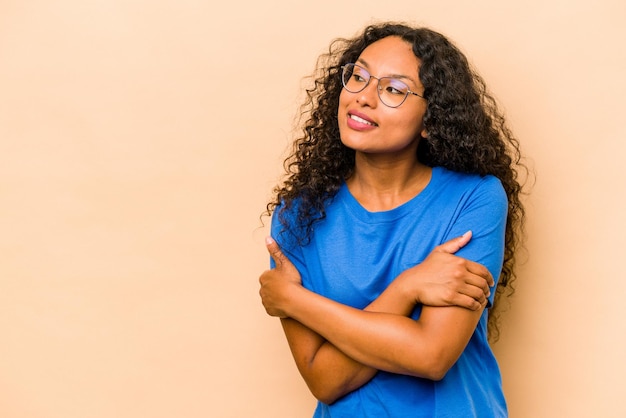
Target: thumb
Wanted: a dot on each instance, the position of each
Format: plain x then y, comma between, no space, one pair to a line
275,252
455,244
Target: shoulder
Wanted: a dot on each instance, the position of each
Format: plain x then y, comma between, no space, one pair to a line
293,221
488,186
284,225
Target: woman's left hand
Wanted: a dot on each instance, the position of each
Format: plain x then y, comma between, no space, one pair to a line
276,283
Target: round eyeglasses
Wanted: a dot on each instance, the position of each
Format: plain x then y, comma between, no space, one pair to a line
391,91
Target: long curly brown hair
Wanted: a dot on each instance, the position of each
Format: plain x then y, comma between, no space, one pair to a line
466,133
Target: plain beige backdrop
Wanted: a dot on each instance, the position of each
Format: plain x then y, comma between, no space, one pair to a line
140,140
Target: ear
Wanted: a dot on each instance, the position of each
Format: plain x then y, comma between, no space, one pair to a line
424,133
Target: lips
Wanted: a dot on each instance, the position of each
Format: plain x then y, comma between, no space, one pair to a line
361,119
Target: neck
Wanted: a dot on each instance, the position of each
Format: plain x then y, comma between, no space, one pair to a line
381,185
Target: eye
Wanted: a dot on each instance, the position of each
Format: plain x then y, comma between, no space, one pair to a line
393,90
394,86
359,75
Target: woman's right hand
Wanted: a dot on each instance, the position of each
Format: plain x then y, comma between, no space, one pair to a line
444,279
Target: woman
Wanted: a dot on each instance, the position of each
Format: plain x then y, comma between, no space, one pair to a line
400,206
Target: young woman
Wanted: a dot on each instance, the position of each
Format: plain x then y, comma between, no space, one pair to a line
400,206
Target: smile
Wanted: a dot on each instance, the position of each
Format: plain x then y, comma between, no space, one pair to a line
361,120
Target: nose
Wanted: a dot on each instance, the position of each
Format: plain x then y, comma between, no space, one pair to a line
369,95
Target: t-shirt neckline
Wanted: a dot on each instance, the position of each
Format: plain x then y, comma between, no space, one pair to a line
392,214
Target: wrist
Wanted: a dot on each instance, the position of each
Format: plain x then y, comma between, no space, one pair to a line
408,287
290,293
398,298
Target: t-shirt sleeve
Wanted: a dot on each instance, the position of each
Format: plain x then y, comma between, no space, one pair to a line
286,240
484,212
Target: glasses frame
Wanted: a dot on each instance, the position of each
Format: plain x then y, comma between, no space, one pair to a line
378,87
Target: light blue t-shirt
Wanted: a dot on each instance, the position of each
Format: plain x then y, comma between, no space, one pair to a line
355,254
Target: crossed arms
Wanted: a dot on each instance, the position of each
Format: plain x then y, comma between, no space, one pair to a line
337,348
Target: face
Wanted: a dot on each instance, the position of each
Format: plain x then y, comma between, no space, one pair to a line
365,123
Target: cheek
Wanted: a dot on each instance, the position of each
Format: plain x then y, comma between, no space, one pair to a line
411,128
414,123
341,108
343,98
405,119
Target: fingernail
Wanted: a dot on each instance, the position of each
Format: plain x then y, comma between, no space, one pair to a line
269,240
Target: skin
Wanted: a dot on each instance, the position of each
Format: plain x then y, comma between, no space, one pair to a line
387,172
338,348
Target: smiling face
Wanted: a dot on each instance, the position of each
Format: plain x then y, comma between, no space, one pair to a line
369,126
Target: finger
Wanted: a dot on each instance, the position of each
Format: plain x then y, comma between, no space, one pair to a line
468,302
264,277
479,284
480,270
275,252
478,297
455,244
476,293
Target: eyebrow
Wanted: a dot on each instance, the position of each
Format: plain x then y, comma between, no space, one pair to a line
401,76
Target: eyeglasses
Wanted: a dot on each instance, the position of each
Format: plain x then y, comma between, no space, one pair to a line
391,91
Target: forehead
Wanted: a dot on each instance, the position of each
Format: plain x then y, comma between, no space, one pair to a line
391,55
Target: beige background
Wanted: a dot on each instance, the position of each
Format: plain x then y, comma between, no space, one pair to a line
140,139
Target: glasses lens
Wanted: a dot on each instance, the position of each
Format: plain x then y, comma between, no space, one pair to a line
354,78
392,91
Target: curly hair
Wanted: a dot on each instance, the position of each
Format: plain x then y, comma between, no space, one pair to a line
466,133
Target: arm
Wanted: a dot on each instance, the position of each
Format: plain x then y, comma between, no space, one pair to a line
429,346
425,348
329,372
